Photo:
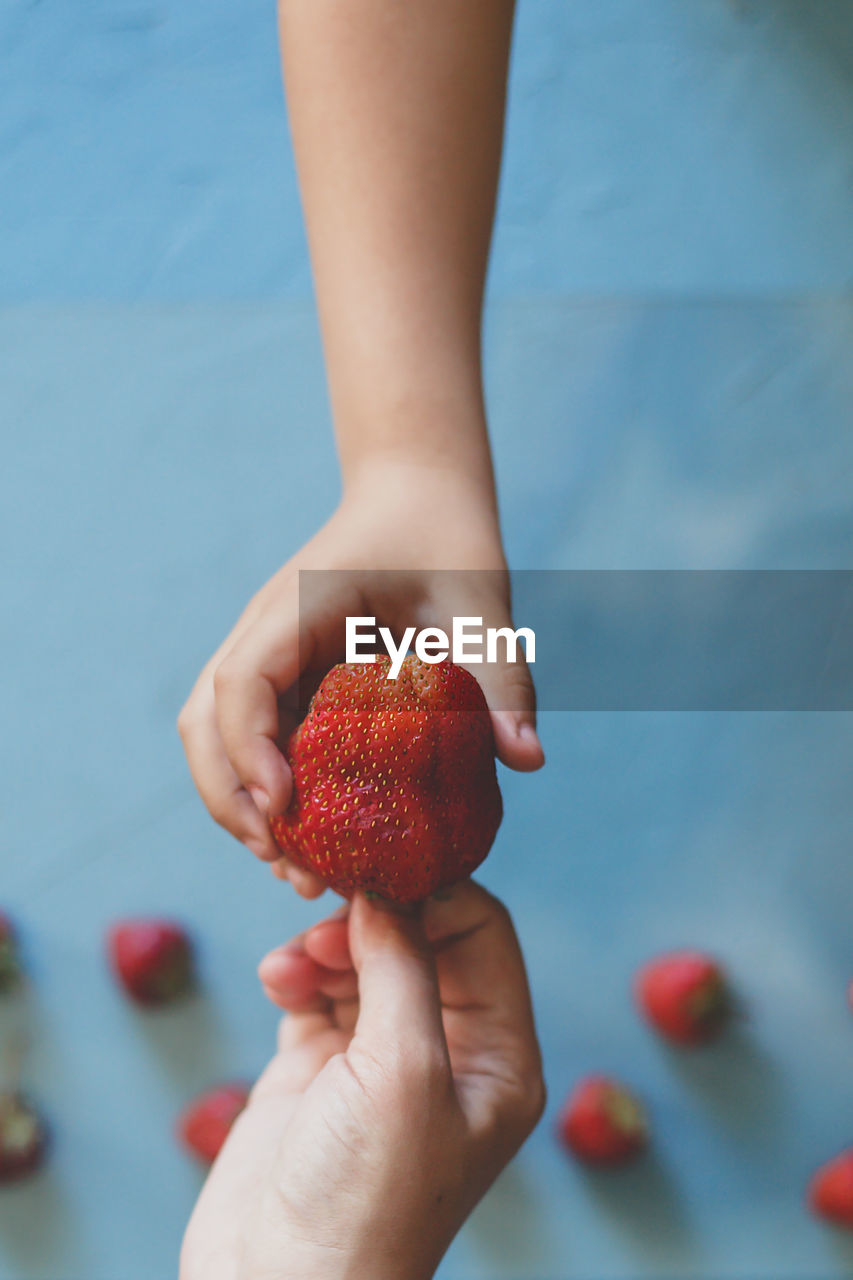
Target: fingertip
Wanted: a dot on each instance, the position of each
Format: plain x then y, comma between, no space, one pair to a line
280,790
281,868
265,850
290,974
376,922
306,885
272,788
517,742
279,958
272,995
328,942
374,904
260,798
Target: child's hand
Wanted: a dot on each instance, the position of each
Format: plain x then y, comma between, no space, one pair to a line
407,1076
414,520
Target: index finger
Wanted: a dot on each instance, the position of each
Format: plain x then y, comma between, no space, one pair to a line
267,662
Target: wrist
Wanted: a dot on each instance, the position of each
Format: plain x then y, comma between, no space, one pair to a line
425,480
437,516
333,1264
437,440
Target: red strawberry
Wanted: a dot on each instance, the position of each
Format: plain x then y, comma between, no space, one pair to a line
394,784
830,1192
684,995
23,1137
10,965
602,1122
206,1122
152,959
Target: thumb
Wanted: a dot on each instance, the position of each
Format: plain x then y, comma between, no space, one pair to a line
511,697
399,1003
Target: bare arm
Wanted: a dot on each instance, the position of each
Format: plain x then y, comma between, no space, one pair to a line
397,110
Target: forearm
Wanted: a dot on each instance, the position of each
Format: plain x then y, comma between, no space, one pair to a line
396,109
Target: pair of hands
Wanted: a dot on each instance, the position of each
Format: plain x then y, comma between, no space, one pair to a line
407,1075
407,1072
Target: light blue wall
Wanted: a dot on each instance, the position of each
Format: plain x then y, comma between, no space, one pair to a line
670,375
695,146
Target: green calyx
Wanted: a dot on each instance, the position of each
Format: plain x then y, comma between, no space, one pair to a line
709,1004
626,1113
10,970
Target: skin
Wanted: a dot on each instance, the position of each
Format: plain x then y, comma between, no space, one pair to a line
406,1077
407,1072
396,111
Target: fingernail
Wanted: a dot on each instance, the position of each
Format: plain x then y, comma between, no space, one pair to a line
527,733
261,799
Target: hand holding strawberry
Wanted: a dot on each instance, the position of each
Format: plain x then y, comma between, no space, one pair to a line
406,1077
240,712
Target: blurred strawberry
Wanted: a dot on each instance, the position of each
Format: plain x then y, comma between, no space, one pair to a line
684,995
602,1122
10,961
206,1122
830,1193
23,1137
152,959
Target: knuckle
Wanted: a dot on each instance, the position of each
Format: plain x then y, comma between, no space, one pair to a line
220,813
224,677
536,1099
501,914
429,1070
516,676
217,815
517,1106
410,1071
528,1101
184,721
498,916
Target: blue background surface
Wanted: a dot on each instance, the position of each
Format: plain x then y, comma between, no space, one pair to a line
670,377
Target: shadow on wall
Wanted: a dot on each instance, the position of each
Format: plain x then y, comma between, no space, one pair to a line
823,29
643,1203
510,1229
739,1084
45,1248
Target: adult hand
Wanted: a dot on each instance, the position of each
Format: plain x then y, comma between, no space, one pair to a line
407,1075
